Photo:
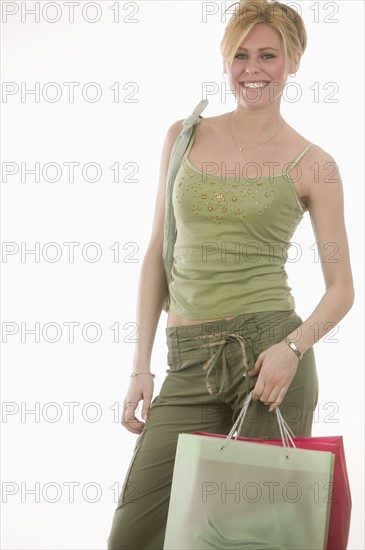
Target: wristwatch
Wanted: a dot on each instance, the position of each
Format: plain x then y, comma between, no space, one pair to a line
293,347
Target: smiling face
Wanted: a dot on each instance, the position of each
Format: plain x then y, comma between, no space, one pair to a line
259,69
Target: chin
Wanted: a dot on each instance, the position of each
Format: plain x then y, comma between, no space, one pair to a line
257,103
253,106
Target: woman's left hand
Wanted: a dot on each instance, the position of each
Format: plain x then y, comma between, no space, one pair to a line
276,367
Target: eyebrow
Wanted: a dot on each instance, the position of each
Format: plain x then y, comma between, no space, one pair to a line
260,49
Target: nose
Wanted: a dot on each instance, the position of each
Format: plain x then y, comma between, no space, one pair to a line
252,67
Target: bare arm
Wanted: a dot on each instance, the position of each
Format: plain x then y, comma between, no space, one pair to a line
278,364
327,215
152,291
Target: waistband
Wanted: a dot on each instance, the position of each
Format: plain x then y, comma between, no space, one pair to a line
245,330
246,324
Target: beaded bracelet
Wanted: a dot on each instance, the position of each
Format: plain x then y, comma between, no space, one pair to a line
293,347
134,374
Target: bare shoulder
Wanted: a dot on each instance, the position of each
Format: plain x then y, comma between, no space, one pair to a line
316,162
210,124
174,130
318,166
314,154
208,127
170,138
319,155
214,123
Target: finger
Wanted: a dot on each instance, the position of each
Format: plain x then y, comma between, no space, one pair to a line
279,399
134,427
146,406
131,422
265,396
129,411
273,395
256,368
258,389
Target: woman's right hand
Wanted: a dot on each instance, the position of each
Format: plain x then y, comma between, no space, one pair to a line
140,389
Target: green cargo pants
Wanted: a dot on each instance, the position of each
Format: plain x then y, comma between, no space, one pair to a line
203,391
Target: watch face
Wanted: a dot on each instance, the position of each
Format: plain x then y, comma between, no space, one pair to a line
293,347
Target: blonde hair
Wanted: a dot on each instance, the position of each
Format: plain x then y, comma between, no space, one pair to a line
287,22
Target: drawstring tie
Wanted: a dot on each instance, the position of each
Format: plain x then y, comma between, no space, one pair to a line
213,360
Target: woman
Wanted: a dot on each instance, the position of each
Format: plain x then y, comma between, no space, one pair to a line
243,186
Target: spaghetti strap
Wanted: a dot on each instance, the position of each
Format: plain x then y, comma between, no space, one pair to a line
298,158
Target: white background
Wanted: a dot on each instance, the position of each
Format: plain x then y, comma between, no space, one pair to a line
169,51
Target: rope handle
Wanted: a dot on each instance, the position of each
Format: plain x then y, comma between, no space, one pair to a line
286,433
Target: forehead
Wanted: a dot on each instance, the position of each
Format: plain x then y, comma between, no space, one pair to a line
262,35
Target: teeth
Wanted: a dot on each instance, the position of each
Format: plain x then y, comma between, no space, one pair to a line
254,84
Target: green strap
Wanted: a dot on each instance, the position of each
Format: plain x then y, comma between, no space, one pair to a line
297,158
191,141
177,152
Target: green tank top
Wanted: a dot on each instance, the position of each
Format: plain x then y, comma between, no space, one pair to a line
232,241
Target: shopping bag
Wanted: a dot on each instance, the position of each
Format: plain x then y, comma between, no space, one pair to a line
337,492
231,493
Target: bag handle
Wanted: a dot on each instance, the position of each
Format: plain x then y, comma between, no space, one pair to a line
285,431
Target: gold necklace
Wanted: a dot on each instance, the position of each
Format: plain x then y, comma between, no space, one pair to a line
252,146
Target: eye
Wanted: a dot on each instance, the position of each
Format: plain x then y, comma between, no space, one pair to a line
243,56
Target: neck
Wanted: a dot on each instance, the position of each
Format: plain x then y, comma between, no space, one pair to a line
255,123
252,130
